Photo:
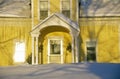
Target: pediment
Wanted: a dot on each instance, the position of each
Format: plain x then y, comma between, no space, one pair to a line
56,20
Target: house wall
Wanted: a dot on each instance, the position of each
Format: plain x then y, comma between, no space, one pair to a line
54,7
13,30
106,32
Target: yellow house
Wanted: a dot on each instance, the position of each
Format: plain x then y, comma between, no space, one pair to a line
59,31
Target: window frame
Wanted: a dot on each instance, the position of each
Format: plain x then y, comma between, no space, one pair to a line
91,45
61,47
39,10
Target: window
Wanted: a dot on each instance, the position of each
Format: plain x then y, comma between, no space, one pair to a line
66,7
19,55
55,46
91,50
43,9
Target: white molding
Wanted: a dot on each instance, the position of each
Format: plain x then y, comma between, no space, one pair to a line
48,8
48,51
33,54
53,20
38,10
32,12
36,50
77,13
71,9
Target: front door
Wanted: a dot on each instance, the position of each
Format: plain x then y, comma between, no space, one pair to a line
55,51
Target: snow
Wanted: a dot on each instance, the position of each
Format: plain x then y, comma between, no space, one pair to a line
62,71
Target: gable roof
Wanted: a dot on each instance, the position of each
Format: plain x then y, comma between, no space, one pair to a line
56,19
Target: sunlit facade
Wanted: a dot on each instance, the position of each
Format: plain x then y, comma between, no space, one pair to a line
59,31
19,54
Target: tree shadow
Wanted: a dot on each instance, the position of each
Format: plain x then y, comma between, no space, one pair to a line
97,18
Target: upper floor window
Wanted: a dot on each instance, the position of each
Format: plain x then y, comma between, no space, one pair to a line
66,7
43,9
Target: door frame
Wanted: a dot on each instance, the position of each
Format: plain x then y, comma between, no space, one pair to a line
61,48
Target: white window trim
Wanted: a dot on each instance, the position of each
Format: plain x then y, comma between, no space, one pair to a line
77,13
70,7
95,47
39,9
61,54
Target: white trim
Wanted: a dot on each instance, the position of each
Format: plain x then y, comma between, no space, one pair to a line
33,51
48,51
71,9
38,10
62,61
77,13
65,22
32,13
73,49
36,50
76,49
60,6
95,48
61,48
48,8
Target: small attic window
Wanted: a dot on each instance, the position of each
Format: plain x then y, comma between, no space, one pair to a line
19,55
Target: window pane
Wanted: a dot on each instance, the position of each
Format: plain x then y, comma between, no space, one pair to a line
66,13
91,54
43,5
66,8
54,46
91,50
66,5
43,14
43,9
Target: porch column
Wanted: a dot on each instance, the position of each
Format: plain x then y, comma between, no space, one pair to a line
76,49
73,49
33,50
37,49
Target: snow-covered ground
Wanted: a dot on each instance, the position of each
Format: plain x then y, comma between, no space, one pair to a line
62,71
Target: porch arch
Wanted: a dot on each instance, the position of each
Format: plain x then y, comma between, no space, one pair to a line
57,20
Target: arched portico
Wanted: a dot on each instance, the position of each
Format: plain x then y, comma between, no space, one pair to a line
61,21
